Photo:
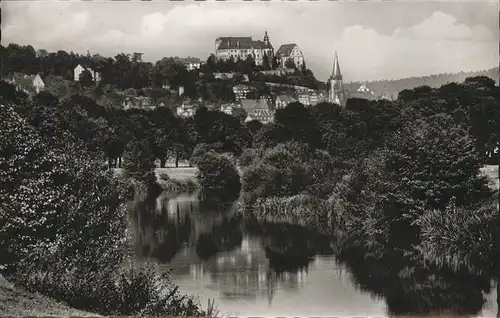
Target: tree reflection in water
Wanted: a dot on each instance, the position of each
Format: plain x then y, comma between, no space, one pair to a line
411,287
246,258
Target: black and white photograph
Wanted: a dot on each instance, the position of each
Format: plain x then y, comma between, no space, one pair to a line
250,158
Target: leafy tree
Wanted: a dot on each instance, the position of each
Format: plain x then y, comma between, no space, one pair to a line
219,177
424,166
86,78
290,64
138,160
265,62
299,124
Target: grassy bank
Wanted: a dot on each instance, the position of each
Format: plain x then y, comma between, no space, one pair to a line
17,302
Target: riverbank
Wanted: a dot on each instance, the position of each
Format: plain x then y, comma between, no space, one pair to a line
17,302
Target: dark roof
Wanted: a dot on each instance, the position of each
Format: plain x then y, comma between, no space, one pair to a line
261,114
231,43
286,49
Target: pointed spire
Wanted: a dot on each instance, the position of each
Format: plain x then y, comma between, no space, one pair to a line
336,74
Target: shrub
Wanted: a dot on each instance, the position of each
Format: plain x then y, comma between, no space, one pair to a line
248,156
218,176
459,236
164,176
199,152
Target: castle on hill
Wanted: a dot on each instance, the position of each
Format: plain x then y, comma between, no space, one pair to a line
241,47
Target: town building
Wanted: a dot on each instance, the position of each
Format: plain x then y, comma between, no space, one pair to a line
310,97
29,84
229,108
79,69
138,102
240,91
257,109
279,71
283,100
290,51
191,63
336,93
187,109
223,76
363,92
241,47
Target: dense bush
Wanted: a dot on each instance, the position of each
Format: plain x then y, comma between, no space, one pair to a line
282,171
422,167
63,228
247,157
462,236
219,176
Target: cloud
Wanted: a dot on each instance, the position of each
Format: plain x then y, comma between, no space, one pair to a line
441,26
436,41
436,45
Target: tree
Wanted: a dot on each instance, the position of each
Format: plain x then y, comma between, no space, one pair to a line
290,64
424,166
265,62
86,78
299,124
138,160
219,177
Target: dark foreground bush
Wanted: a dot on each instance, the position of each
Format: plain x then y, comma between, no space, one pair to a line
63,225
129,291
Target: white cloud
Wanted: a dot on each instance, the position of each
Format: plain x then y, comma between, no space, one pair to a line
441,26
436,43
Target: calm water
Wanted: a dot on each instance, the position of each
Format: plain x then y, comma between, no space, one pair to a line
267,269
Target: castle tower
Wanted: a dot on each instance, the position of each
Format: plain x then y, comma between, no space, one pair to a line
266,38
336,93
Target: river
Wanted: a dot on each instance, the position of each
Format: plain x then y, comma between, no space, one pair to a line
268,269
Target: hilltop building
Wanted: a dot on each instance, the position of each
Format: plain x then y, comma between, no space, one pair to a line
96,77
241,47
336,93
290,51
29,84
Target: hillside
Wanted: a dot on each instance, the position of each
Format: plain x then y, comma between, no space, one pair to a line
391,88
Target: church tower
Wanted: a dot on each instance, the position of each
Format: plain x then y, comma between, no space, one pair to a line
266,38
336,94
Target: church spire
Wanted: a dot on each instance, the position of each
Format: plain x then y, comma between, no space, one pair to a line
336,68
266,37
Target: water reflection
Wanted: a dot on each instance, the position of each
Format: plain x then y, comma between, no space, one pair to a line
264,268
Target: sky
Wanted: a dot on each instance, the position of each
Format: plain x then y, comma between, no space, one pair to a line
374,40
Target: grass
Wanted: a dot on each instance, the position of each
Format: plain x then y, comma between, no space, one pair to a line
17,302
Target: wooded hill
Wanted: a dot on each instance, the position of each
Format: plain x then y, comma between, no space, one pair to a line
391,88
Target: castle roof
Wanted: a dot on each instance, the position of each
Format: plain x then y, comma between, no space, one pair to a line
231,43
286,49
